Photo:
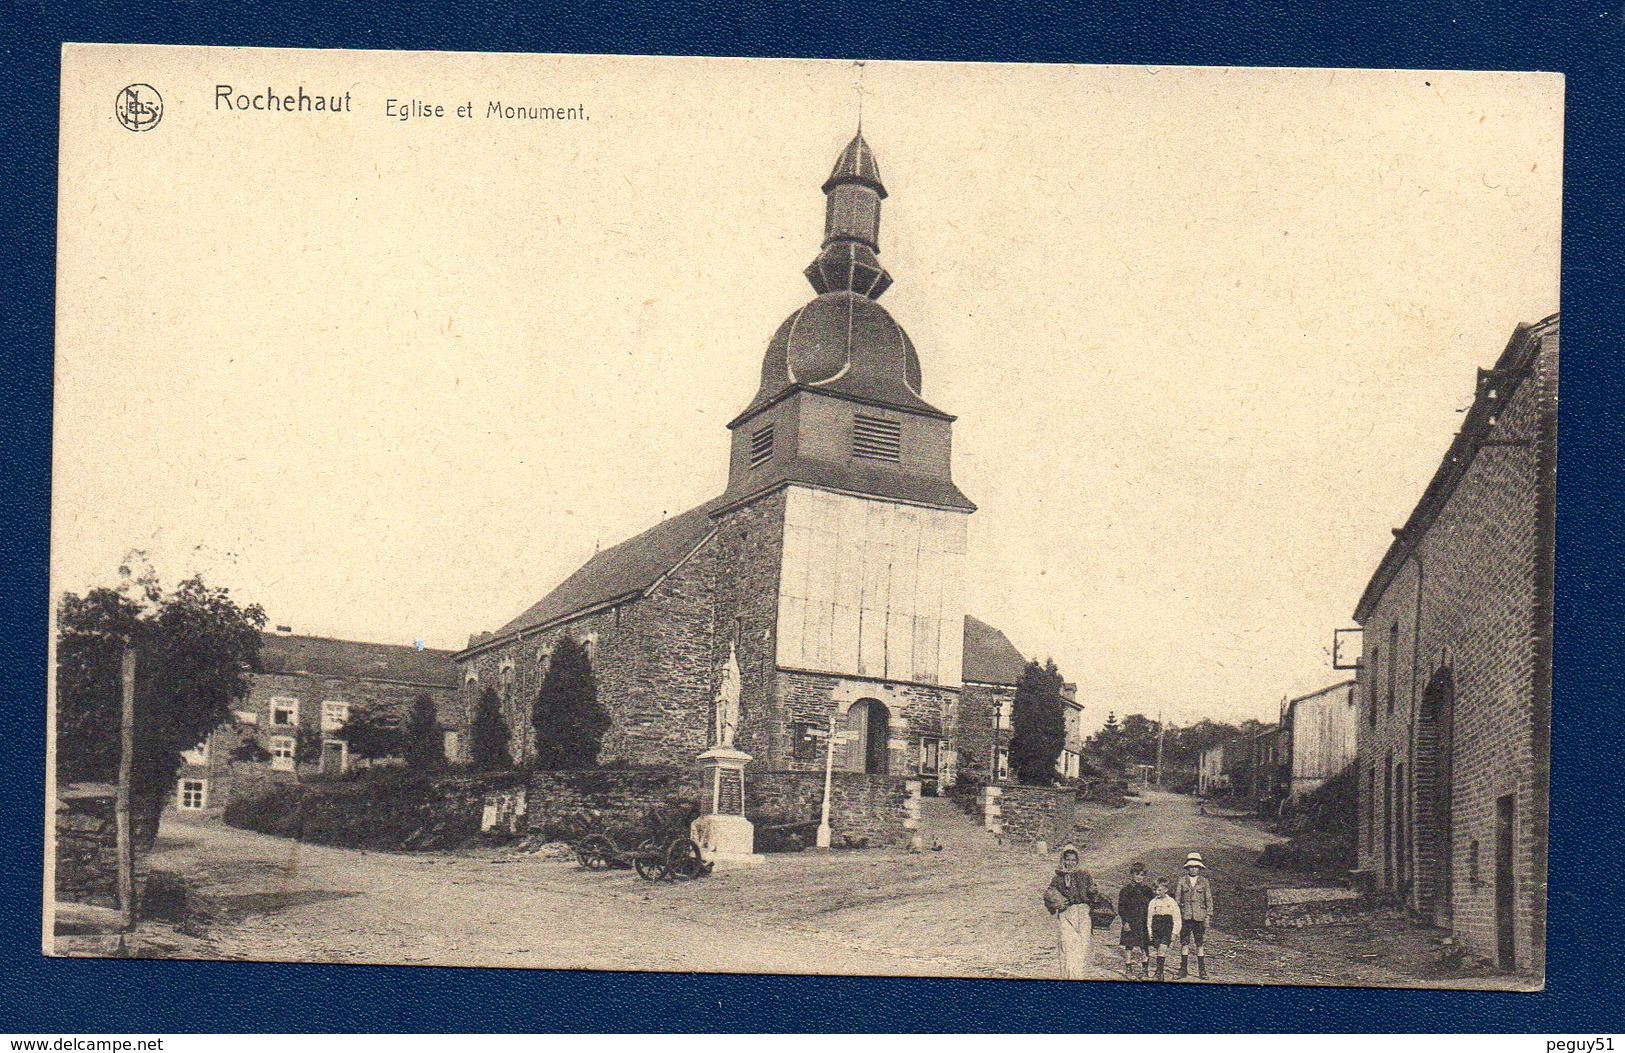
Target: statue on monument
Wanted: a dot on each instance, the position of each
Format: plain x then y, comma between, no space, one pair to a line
728,700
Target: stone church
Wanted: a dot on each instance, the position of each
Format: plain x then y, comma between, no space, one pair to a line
830,572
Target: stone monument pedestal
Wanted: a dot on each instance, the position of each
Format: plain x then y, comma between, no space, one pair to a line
723,833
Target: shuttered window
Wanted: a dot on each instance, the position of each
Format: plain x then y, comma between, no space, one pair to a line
877,439
761,446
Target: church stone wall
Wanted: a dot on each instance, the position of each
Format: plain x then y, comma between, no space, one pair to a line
749,541
651,662
917,711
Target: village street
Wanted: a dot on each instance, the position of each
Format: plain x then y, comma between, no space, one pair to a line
971,909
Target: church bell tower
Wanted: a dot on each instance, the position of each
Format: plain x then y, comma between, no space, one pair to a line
840,564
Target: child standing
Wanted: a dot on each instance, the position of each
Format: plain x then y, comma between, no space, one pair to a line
1196,910
1162,922
1132,902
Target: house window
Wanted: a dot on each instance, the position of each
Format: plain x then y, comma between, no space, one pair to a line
806,742
284,712
761,446
1002,718
334,715
930,754
282,752
877,439
193,794
1001,763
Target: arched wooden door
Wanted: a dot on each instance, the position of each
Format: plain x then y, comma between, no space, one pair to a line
868,736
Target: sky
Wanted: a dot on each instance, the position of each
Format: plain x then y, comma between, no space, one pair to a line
1207,332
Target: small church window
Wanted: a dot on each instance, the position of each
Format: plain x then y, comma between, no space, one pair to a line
877,439
761,446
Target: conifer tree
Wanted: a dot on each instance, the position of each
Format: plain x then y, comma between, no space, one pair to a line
1039,719
425,749
569,721
488,735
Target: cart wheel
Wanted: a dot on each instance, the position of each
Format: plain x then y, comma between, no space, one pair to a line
650,868
683,861
595,853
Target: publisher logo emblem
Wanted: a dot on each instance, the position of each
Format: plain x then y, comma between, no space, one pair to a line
139,107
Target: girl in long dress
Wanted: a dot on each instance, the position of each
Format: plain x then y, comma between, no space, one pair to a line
1068,897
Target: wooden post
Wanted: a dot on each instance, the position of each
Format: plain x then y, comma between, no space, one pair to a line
1159,749
126,764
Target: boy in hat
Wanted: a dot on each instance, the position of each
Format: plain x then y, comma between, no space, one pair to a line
1195,898
1162,923
1132,902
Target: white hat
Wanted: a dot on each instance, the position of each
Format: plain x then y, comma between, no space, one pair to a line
1195,860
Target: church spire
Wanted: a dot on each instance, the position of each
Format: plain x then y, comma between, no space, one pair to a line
853,193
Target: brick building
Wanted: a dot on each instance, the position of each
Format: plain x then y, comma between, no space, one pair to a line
831,569
307,687
1455,677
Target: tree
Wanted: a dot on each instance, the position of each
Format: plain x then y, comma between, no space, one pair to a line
425,749
373,733
196,651
488,734
1039,719
569,721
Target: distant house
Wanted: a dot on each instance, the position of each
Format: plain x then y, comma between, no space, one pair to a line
292,721
1320,742
1225,768
1069,765
1267,758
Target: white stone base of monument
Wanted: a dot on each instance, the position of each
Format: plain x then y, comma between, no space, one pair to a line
726,840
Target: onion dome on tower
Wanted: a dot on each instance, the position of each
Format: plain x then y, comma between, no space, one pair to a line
843,342
840,405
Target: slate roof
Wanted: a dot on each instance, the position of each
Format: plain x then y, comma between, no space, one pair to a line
321,656
990,657
842,343
852,478
856,165
617,573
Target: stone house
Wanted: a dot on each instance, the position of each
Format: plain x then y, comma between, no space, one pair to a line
1271,776
829,573
1455,675
307,687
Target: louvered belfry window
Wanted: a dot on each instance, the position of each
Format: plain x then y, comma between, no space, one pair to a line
761,446
877,439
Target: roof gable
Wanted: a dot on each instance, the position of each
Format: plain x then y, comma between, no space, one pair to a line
990,657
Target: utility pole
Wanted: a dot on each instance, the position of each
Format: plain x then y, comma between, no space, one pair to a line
1159,749
121,806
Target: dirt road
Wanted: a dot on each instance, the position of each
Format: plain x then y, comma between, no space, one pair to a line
970,909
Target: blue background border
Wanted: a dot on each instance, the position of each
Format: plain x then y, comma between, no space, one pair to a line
1583,40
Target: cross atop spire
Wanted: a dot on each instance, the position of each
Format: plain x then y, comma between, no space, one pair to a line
852,226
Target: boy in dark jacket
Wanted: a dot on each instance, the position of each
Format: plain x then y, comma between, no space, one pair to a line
1132,902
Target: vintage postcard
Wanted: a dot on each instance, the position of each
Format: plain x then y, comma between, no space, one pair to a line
692,514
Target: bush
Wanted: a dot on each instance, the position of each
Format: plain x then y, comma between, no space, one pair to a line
389,809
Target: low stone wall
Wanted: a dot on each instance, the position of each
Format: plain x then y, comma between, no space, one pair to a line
87,847
1296,908
1026,815
559,803
392,813
866,811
